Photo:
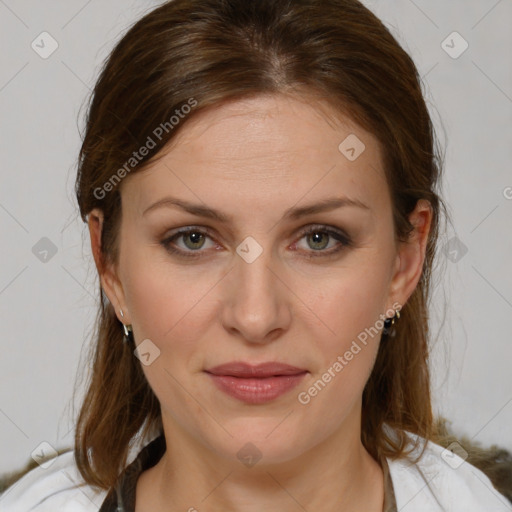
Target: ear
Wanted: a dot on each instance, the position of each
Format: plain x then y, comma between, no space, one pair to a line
411,255
109,280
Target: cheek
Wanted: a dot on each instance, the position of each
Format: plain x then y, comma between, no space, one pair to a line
350,306
157,293
154,300
170,304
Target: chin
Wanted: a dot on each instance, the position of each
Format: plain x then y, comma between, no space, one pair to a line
261,441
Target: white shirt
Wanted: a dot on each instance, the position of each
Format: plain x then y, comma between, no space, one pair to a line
433,484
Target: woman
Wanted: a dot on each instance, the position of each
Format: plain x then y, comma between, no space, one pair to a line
260,183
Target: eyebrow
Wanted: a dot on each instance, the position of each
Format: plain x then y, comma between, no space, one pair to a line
293,213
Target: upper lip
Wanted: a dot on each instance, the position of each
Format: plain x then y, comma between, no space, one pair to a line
241,369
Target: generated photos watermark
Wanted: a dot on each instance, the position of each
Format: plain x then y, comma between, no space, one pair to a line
304,397
137,156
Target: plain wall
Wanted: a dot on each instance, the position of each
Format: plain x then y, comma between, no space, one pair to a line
47,308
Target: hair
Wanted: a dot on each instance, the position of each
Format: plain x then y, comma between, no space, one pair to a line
207,53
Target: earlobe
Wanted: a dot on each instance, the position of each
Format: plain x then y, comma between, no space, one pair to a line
108,277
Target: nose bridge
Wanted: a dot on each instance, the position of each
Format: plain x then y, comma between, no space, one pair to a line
255,279
257,302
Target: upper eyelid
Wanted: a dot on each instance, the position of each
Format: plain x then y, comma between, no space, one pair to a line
302,232
208,230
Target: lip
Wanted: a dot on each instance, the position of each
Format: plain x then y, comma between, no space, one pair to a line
256,384
246,370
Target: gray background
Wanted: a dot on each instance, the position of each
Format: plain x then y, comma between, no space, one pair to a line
47,307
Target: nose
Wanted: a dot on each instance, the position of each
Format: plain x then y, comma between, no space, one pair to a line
257,300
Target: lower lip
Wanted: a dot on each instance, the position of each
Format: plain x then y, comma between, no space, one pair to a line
256,390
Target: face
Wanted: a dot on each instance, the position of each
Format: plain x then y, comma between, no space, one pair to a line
270,278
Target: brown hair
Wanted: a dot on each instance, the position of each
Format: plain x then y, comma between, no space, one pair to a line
215,51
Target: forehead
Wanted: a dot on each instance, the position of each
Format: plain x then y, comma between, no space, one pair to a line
269,151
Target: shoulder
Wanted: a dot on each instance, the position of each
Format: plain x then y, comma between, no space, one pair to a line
441,480
58,486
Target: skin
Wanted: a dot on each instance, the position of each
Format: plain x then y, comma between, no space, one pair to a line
253,160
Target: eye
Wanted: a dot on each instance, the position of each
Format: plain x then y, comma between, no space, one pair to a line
193,239
318,237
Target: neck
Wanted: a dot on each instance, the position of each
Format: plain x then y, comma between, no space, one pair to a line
337,474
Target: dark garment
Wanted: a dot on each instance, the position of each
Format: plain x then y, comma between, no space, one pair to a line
121,497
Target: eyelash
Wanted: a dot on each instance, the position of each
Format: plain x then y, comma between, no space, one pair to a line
337,235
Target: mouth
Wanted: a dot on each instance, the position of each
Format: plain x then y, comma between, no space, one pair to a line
256,384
